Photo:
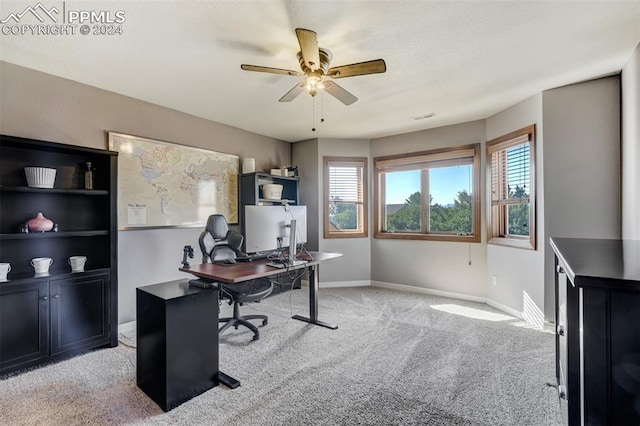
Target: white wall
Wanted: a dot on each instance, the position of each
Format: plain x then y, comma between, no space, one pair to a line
519,273
581,166
42,106
451,267
631,147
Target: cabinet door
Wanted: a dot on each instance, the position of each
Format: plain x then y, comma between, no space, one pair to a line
24,324
79,312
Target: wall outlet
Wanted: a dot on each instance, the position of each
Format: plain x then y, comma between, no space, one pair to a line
494,280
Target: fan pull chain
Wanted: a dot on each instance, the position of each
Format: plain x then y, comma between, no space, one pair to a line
313,100
321,107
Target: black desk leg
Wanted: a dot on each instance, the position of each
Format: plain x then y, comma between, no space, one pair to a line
313,302
228,380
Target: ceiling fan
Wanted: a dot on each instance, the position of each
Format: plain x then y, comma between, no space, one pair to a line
314,62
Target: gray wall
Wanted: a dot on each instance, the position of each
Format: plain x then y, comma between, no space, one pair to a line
42,106
519,273
631,147
305,155
434,265
581,165
354,267
355,264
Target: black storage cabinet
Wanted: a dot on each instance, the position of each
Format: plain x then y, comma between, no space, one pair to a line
598,330
177,341
61,314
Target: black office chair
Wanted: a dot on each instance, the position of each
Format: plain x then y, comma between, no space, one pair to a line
219,243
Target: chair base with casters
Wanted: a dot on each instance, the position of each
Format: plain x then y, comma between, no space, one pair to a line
251,291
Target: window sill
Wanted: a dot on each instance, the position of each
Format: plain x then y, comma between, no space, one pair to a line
346,235
512,242
427,237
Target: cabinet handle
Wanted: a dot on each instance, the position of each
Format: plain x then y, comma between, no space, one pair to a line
560,330
560,269
44,298
562,392
56,296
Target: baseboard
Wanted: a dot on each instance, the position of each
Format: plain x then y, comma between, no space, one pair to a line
505,309
360,283
127,327
428,291
130,326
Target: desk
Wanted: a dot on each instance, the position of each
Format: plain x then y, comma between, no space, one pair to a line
245,271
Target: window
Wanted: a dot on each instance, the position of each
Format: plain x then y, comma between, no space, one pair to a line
511,163
345,197
430,195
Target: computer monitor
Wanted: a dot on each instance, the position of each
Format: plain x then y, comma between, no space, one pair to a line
267,228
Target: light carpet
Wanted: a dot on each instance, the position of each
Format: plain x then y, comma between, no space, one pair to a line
397,358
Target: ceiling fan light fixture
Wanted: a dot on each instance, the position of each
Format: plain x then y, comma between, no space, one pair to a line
314,64
313,85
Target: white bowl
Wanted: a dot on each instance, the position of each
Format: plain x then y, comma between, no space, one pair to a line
40,177
271,191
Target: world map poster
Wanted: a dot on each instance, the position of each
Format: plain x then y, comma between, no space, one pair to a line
162,184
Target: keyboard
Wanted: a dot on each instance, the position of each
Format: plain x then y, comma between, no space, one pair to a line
250,257
286,264
264,255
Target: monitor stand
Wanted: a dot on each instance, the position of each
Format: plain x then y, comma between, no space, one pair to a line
291,260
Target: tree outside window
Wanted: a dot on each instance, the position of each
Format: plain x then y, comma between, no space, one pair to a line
431,195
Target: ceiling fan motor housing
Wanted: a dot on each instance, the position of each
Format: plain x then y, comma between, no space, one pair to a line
325,59
314,63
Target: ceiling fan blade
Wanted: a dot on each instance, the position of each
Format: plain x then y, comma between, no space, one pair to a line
308,41
339,93
269,70
293,93
361,68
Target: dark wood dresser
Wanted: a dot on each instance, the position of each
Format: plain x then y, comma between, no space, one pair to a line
597,313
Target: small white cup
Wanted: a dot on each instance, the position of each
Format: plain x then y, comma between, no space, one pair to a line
5,268
41,264
77,263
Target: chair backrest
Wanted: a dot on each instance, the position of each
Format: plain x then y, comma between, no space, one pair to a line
217,242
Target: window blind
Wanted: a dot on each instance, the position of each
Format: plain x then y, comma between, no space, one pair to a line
509,142
510,175
345,182
518,171
426,160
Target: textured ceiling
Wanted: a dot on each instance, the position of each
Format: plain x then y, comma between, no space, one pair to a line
462,60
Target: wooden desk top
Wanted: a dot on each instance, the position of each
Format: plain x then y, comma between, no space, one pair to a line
244,271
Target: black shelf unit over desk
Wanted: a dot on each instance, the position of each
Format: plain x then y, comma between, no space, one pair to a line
251,195
87,226
251,189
